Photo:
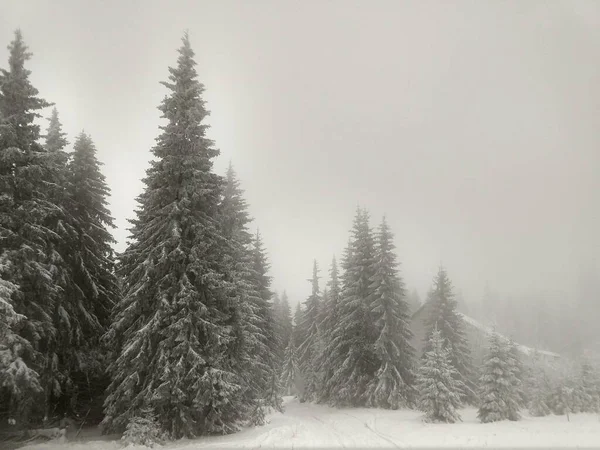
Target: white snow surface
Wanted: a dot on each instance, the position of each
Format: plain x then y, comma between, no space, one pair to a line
306,425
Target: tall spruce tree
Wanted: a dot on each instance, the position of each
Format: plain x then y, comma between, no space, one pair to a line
264,310
93,257
173,325
94,289
65,354
249,352
28,218
392,386
310,336
290,368
449,323
329,318
499,398
352,358
439,388
284,318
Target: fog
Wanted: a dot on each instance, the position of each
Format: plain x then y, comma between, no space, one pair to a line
473,126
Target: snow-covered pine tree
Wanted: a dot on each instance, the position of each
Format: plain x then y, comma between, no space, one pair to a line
244,298
414,301
439,388
93,257
144,430
290,368
91,261
309,334
538,388
64,357
19,382
393,385
173,324
28,213
246,311
590,387
56,138
351,352
451,327
329,319
284,318
277,327
297,315
264,308
499,399
518,371
297,318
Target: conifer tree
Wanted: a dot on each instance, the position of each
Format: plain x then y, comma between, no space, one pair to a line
392,386
499,399
28,215
439,388
173,325
329,319
93,257
251,348
290,368
94,290
519,373
414,301
20,382
351,351
297,319
56,138
516,370
309,333
297,315
267,358
332,306
285,319
590,387
277,326
450,325
282,324
539,393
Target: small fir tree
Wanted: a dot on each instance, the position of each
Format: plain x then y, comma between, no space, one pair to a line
440,390
445,316
144,430
499,399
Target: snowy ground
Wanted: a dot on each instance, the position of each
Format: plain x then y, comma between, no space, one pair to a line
306,426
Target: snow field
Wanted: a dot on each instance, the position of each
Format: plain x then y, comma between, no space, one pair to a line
305,425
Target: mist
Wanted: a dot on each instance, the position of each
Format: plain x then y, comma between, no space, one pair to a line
471,126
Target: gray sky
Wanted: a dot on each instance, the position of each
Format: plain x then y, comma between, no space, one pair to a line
473,125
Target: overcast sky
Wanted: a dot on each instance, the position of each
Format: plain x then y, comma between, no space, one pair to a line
473,125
